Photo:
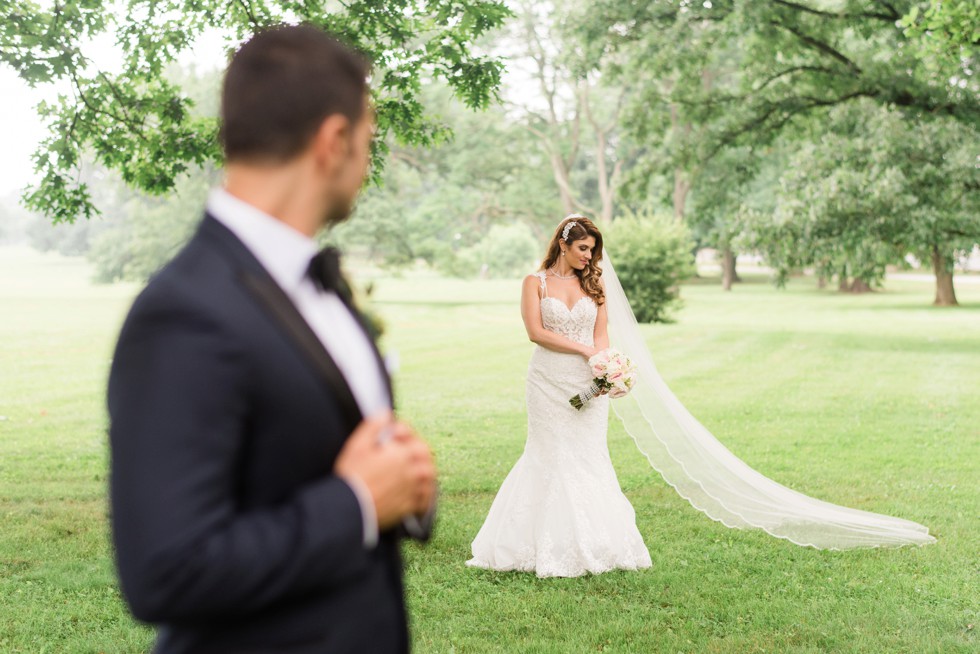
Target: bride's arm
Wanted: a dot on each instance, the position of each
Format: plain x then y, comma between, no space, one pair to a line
600,336
531,313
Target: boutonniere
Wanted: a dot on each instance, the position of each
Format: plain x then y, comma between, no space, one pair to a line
327,267
373,322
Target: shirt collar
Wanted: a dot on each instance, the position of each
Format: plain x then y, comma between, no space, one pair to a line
283,251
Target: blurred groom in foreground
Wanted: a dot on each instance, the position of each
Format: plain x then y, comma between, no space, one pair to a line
259,482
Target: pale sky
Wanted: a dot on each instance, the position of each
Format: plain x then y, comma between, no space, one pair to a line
22,131
23,128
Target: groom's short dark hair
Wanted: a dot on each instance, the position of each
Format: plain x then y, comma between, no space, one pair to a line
281,85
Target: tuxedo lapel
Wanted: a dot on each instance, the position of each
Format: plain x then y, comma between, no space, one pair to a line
348,301
277,304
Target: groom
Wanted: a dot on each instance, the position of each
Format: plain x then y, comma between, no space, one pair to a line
259,482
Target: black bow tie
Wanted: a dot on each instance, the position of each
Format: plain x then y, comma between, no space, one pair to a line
325,271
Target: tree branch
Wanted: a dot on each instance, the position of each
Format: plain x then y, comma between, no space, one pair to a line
544,138
893,16
787,106
247,6
788,71
894,12
584,208
408,159
134,128
818,45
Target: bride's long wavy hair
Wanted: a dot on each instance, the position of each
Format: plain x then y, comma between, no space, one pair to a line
588,276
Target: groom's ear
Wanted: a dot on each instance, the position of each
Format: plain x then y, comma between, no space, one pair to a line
331,145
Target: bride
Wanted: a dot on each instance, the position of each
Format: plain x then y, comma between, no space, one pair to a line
560,511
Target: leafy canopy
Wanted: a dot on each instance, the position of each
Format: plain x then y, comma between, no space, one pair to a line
138,122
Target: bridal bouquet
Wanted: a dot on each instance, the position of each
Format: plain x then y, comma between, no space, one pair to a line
612,371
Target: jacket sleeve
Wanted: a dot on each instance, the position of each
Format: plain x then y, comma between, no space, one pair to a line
177,408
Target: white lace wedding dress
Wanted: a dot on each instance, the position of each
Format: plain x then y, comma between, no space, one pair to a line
560,511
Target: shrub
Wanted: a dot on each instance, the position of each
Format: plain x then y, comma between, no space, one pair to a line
505,251
652,254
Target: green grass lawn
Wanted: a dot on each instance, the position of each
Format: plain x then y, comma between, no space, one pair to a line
867,401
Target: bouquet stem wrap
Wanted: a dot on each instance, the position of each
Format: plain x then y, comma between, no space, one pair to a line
590,393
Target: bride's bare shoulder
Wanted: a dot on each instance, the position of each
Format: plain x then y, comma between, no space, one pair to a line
534,282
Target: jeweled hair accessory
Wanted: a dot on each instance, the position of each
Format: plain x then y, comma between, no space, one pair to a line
568,227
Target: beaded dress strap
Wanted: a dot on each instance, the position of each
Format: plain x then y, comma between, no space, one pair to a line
544,287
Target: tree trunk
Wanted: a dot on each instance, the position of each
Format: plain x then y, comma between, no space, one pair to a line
607,180
860,286
681,187
682,182
607,191
945,294
821,282
561,179
606,214
728,274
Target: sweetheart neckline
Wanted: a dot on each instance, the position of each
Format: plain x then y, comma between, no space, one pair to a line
567,308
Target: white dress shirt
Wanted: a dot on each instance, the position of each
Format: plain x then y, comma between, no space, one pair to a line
285,253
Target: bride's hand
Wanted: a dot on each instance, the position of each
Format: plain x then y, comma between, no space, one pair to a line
588,352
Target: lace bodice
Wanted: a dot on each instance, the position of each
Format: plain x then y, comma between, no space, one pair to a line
577,323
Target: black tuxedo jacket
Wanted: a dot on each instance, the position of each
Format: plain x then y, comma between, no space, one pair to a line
226,415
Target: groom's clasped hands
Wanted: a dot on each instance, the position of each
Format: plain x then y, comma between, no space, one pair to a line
395,466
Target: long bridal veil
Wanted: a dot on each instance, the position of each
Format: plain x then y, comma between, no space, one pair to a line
714,480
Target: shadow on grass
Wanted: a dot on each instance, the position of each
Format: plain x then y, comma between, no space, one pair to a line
919,343
748,279
445,304
924,306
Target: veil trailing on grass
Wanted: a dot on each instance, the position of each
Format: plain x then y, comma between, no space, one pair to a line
715,481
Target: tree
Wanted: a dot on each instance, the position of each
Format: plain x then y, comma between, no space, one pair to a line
867,191
142,125
799,59
679,56
792,58
722,187
743,74
575,116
